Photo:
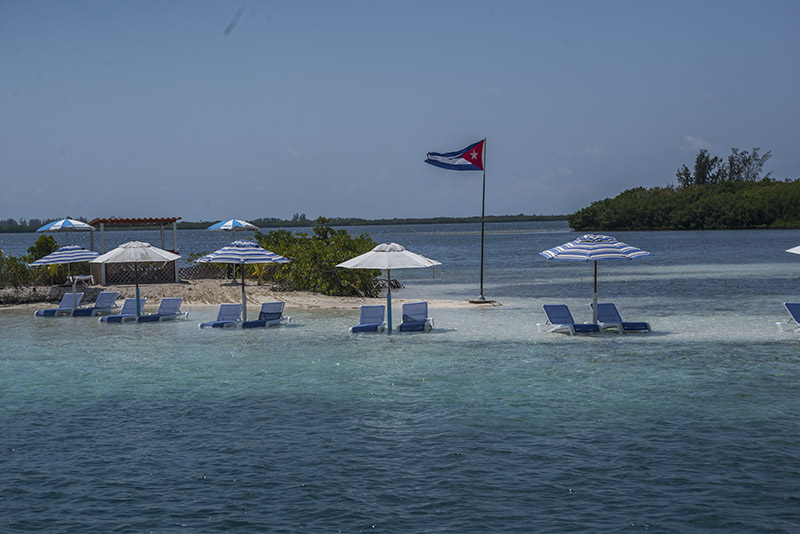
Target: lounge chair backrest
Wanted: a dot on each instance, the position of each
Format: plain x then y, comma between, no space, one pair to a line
229,312
169,306
558,314
66,300
607,313
271,311
129,306
415,311
106,299
794,310
371,314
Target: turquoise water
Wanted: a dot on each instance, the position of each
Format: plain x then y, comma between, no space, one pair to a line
485,424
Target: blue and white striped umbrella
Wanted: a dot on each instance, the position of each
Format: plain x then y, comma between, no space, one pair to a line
233,225
68,254
65,225
594,247
241,253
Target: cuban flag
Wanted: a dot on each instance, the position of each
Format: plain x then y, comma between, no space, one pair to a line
469,159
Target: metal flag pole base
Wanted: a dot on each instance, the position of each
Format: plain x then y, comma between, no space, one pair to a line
481,300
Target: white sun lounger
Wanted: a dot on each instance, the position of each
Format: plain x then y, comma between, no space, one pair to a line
104,305
370,319
169,309
127,314
227,317
609,319
793,324
559,320
415,318
271,314
65,307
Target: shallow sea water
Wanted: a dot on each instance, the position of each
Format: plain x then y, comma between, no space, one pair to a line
484,424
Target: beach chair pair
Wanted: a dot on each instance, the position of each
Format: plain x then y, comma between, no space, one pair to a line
559,320
415,319
169,309
105,304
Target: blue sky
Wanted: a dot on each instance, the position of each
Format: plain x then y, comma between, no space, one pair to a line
212,110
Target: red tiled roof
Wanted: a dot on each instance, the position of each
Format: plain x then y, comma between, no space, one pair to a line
133,221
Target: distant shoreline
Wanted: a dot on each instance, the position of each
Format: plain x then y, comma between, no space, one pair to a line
302,222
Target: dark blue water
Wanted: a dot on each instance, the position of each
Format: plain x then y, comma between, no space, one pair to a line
484,425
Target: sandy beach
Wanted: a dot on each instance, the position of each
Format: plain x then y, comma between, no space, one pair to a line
203,292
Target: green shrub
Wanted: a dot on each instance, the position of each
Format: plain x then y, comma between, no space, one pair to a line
314,259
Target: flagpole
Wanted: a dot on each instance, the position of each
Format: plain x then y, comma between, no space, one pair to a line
481,298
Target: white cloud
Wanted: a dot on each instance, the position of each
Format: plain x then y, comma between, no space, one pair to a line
692,144
564,170
294,153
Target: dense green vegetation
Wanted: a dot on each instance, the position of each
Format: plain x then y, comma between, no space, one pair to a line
14,272
716,194
314,259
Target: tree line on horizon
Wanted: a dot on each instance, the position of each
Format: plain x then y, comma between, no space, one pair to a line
717,194
299,220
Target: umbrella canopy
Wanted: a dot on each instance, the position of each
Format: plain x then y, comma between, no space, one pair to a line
388,256
136,252
233,225
594,247
68,254
243,253
65,225
794,250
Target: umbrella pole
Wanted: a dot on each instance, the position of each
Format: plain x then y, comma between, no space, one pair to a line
74,288
244,297
389,299
136,280
594,295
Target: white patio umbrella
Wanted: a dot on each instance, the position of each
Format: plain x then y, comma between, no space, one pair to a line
136,252
243,253
388,256
594,247
65,225
68,254
794,250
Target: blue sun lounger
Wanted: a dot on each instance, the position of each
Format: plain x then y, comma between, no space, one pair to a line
227,317
609,319
169,309
65,307
127,314
370,319
415,318
793,324
104,305
271,314
559,319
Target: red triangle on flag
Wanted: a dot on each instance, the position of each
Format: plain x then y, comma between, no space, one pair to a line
475,155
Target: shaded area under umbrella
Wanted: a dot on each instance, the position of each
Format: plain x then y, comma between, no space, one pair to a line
388,256
594,247
243,253
68,255
136,252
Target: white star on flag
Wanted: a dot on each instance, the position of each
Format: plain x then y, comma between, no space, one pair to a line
474,155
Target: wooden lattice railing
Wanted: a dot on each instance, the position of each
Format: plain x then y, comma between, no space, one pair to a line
202,271
153,273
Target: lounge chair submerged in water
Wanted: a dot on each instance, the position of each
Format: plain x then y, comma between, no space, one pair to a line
559,320
104,305
793,324
370,319
609,319
65,307
169,309
415,318
271,314
227,317
127,314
